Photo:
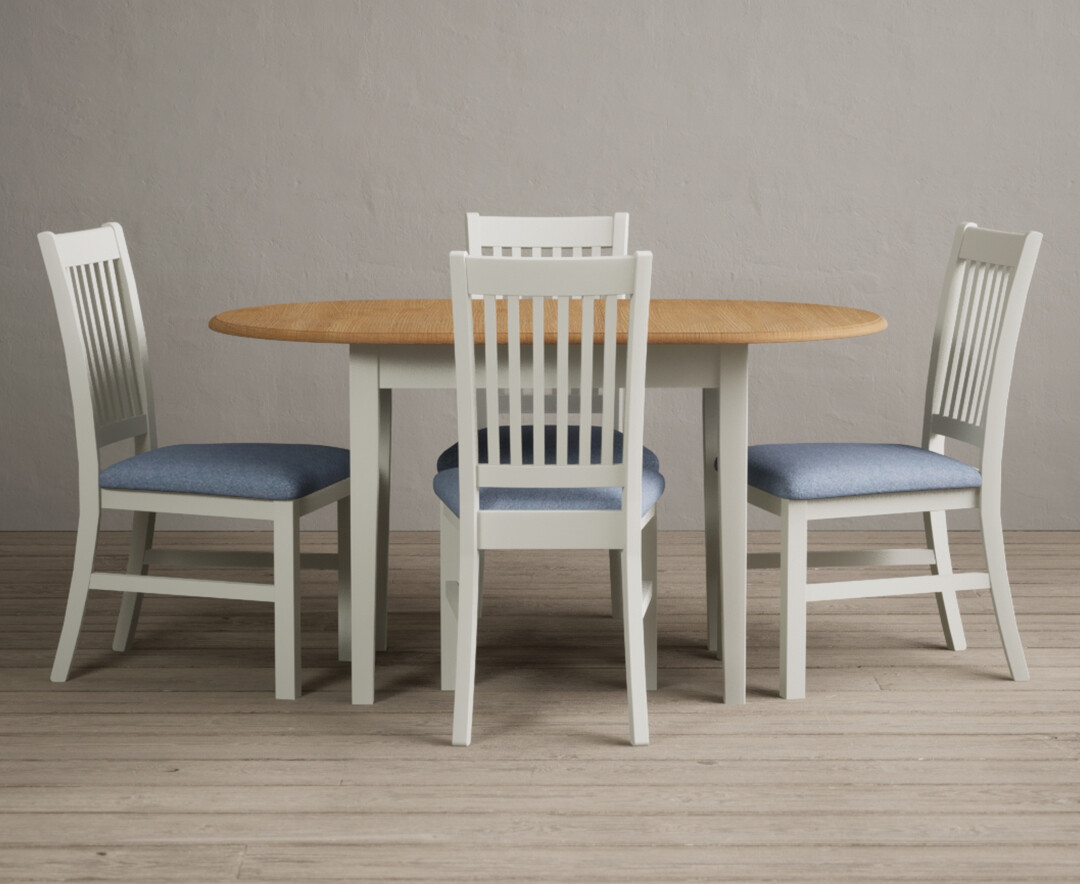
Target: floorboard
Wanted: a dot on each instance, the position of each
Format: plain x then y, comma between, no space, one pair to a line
906,762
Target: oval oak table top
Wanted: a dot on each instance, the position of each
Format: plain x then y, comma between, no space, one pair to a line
429,321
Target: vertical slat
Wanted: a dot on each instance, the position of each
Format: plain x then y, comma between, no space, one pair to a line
979,343
80,313
993,318
117,372
515,251
491,378
577,252
538,380
999,320
116,301
513,352
956,346
964,340
86,313
99,328
585,385
562,379
609,392
975,315
130,342
101,332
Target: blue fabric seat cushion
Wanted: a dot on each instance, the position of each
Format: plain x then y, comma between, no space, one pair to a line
816,470
448,491
264,471
448,460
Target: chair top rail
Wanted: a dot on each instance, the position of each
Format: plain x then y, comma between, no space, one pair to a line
86,246
600,231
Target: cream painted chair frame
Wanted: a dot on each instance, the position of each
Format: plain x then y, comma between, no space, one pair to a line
971,362
104,340
570,236
530,282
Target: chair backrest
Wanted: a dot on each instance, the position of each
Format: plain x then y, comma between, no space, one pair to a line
982,304
497,303
104,340
569,237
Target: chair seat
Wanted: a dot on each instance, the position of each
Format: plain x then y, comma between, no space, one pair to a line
263,471
448,460
448,491
816,470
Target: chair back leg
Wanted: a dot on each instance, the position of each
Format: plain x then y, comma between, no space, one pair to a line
448,598
649,577
615,576
634,641
85,547
142,538
467,617
1000,590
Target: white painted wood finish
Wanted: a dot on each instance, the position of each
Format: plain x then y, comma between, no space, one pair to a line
982,304
566,236
104,340
520,287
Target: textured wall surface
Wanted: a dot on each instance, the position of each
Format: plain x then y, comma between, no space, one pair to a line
276,151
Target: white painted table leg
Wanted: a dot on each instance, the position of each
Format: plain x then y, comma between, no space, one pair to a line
731,475
710,404
365,435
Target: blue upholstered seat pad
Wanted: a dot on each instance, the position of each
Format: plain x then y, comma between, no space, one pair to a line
448,491
448,460
264,471
815,470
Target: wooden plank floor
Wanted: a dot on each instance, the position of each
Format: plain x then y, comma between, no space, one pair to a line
173,762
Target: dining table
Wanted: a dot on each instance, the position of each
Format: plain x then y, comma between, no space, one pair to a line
403,344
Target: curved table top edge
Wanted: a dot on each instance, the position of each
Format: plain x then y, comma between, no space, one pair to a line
255,322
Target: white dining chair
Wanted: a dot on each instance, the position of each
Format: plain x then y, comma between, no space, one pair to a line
533,491
568,236
108,369
971,362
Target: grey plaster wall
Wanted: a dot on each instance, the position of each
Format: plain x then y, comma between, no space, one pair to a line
276,151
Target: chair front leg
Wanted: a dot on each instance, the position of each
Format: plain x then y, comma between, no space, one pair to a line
937,538
85,547
793,600
1000,591
142,538
286,601
344,553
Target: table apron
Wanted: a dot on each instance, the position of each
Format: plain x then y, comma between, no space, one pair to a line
431,367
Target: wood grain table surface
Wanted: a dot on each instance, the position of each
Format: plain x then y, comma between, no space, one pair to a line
429,321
